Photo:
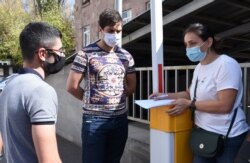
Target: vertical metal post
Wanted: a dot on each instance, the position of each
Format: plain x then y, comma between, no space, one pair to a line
161,143
157,44
118,7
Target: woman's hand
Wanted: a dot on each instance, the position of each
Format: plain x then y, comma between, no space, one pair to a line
158,96
179,106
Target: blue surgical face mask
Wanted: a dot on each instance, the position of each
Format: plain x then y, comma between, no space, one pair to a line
112,39
195,54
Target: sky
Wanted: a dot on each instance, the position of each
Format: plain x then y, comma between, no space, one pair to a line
71,2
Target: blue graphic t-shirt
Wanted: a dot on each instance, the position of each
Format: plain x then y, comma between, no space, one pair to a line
104,75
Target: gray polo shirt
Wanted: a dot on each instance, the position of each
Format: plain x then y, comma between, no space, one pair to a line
25,101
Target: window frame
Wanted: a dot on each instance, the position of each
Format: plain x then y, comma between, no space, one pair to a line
85,3
86,35
127,19
148,5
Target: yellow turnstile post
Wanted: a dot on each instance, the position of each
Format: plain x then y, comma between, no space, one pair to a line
169,136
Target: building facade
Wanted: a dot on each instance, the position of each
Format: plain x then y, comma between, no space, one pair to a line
87,12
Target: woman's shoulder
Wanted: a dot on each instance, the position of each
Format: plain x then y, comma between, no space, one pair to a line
227,58
228,63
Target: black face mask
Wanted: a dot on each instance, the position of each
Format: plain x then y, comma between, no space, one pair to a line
52,68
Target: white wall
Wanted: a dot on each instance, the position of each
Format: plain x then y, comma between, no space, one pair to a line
70,110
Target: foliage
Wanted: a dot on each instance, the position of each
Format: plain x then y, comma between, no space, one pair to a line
11,24
15,14
42,5
54,16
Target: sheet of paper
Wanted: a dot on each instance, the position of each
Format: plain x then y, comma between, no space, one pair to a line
147,104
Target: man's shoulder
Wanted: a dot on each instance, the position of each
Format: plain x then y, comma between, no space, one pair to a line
123,53
32,83
91,48
122,50
88,50
6,80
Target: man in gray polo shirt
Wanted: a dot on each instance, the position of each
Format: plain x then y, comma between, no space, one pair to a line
28,105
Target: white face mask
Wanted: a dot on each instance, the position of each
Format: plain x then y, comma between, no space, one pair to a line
112,39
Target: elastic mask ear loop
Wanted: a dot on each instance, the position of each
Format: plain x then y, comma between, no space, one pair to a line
202,44
206,52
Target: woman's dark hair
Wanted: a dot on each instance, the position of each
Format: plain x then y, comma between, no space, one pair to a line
109,17
202,31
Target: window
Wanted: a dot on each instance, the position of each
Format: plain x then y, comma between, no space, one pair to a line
126,16
86,36
85,2
148,5
116,4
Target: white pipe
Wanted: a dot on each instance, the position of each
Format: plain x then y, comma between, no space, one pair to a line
157,44
118,7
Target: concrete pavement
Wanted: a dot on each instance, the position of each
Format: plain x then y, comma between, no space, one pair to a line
69,152
137,148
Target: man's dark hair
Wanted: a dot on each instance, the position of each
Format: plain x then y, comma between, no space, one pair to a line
109,17
37,35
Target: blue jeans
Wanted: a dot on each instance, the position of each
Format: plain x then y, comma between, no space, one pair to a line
229,153
103,139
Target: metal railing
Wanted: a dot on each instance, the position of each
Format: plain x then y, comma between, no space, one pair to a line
177,78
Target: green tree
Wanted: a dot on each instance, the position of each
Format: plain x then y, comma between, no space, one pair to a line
13,18
15,14
41,5
53,14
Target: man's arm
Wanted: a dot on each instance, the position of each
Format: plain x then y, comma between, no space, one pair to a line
130,84
73,84
44,139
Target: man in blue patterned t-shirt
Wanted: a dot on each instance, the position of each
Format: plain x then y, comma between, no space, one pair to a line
109,76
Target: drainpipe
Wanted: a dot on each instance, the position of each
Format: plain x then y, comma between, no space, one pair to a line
157,44
118,6
160,152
